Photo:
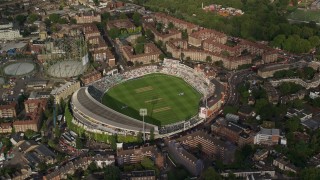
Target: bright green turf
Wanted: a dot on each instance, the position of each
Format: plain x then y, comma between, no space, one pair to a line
163,86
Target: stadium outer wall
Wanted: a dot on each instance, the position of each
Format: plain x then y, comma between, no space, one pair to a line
95,117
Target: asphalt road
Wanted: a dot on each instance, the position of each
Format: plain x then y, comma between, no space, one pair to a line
235,79
116,50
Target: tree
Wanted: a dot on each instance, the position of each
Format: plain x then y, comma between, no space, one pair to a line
111,172
293,124
42,166
314,41
141,39
225,53
21,19
289,88
63,21
208,59
152,134
260,104
159,26
161,57
79,143
13,131
54,18
230,109
182,56
199,148
33,17
51,143
92,167
139,48
96,2
139,137
160,43
316,102
306,32
136,63
62,105
136,17
310,173
47,22
114,33
147,163
29,133
308,73
57,132
123,16
149,34
278,41
218,63
73,21
184,34
210,174
170,25
105,16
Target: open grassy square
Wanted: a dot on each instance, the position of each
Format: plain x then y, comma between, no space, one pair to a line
168,99
305,15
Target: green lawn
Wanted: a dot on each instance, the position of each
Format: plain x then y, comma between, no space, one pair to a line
160,94
305,15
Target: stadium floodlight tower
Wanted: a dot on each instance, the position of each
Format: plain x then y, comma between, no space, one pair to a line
143,112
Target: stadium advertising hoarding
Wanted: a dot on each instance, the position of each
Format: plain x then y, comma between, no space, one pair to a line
205,112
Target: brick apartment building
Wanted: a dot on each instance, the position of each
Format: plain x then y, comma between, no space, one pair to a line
272,93
9,110
34,110
87,17
70,168
132,156
32,105
268,71
178,23
32,121
268,54
267,137
177,47
100,51
181,156
160,36
91,77
104,55
232,132
212,43
121,24
65,90
90,30
284,164
151,53
96,43
196,38
139,175
212,46
34,113
6,127
213,147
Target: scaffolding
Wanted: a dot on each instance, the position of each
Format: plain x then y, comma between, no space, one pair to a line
66,57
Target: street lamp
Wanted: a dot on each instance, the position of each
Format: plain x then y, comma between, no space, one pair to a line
143,112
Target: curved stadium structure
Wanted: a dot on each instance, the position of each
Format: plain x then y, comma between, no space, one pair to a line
92,115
